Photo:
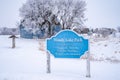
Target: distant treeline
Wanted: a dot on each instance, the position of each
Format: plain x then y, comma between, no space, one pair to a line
103,32
9,31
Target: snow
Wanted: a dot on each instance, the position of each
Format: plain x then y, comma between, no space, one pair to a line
28,61
106,49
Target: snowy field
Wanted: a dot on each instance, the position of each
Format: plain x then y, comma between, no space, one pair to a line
28,61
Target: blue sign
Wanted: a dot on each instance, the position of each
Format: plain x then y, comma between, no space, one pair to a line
67,44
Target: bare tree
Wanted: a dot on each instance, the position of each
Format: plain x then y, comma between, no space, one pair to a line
71,13
118,28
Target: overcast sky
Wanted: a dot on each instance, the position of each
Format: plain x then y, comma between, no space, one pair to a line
103,13
9,12
100,13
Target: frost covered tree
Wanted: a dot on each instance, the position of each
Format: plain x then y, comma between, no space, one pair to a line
35,13
42,14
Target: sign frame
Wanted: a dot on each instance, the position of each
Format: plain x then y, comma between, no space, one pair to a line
67,44
88,75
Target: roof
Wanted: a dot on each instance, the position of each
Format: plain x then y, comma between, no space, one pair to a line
13,36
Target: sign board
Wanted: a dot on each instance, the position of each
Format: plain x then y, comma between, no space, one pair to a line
67,44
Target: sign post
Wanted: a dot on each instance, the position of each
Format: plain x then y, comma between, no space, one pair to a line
67,44
88,65
48,63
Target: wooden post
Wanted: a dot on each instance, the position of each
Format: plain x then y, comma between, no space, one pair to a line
13,42
48,63
88,65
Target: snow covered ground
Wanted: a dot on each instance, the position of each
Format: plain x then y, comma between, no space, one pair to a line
28,61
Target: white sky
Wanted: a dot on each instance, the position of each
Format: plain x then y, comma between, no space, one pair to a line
103,13
100,13
9,12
